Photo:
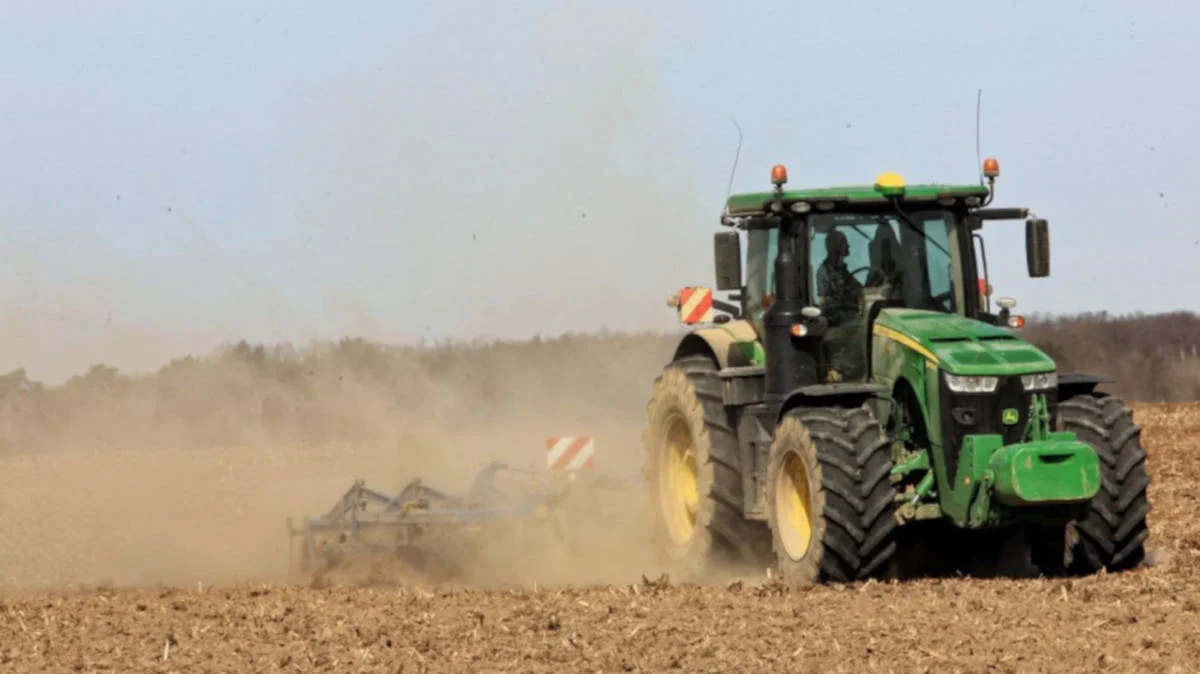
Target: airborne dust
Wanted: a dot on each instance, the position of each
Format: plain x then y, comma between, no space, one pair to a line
187,475
141,475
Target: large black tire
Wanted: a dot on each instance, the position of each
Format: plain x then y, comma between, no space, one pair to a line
1113,534
832,509
693,473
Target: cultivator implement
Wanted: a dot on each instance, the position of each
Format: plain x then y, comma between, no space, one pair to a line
437,532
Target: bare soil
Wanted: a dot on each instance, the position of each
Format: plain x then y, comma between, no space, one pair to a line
174,561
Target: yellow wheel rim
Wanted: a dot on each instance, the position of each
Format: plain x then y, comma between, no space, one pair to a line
793,507
680,490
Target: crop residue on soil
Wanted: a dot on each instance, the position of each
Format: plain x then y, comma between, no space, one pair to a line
1144,620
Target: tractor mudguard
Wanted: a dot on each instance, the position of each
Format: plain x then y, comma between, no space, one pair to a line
1077,383
734,344
847,394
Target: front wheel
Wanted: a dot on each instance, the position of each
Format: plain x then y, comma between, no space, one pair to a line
832,511
1113,534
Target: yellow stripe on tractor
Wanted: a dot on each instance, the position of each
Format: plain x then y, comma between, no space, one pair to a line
888,333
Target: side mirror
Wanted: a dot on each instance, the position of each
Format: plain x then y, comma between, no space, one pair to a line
727,254
1037,247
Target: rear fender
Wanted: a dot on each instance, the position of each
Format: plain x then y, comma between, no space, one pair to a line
734,344
1079,383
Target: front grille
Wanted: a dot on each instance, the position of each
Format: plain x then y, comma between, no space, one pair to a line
982,414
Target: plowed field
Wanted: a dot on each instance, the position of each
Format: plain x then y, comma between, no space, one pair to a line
154,525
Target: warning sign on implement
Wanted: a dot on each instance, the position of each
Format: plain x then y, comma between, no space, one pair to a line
570,453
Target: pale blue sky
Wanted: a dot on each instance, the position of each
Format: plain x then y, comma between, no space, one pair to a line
174,175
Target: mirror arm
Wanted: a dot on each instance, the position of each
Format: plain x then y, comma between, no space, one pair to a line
1002,213
987,279
732,309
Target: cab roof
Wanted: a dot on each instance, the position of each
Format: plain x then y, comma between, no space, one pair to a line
760,202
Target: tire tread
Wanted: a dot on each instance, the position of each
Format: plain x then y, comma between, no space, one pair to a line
855,539
727,530
1112,535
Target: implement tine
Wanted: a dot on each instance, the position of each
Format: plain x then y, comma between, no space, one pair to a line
346,504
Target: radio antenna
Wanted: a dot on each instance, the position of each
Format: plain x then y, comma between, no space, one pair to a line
737,153
978,159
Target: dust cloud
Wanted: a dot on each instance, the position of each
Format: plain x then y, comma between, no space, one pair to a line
403,204
188,474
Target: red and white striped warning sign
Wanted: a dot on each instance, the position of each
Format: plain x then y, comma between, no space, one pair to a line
570,453
695,305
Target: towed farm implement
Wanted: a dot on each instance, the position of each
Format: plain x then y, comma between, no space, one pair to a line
506,516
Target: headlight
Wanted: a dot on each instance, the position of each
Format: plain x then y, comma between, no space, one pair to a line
960,384
1039,382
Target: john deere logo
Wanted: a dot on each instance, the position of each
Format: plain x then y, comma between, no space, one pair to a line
1011,416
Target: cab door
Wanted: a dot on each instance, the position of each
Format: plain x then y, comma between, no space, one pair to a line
762,245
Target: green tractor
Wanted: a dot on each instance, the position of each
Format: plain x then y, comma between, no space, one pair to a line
857,408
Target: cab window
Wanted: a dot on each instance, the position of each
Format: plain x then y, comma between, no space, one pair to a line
761,249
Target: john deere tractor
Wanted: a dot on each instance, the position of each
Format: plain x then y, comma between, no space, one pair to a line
857,406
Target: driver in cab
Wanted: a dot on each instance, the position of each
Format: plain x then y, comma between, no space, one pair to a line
841,300
840,293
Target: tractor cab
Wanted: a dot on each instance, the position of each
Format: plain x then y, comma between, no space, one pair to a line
857,250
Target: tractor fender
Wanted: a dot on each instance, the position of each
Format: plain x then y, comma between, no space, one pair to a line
1080,383
730,345
848,395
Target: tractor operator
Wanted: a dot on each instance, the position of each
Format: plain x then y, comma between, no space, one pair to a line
839,292
840,297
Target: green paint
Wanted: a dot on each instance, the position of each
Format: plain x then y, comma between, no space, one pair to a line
1048,467
752,350
965,346
760,202
968,347
993,483
914,462
915,498
980,513
1057,470
962,493
930,398
924,487
1038,426
986,480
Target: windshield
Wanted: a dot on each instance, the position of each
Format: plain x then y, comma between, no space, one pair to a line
859,258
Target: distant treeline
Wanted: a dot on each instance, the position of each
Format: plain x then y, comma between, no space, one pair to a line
359,392
1152,357
352,391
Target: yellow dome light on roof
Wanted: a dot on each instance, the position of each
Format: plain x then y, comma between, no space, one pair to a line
890,184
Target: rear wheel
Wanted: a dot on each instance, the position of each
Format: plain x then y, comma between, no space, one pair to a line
1113,534
693,473
831,501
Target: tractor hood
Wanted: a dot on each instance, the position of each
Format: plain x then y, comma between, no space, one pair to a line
962,345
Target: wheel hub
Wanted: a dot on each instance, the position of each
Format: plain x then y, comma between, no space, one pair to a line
680,492
793,507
